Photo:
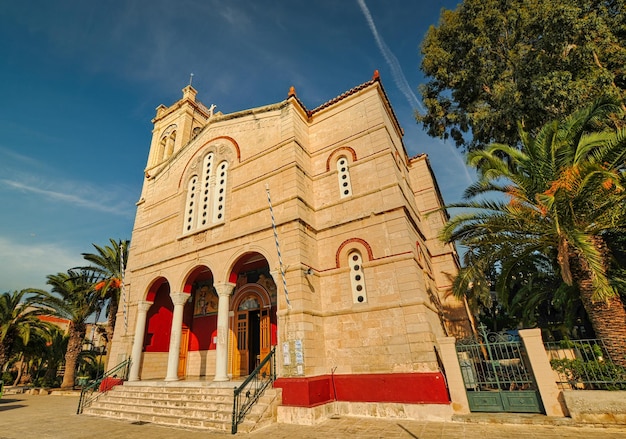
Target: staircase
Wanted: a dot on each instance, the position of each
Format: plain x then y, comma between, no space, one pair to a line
197,405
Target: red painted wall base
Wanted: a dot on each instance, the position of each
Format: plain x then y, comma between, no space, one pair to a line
410,388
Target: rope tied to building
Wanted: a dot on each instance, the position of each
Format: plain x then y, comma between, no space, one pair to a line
280,259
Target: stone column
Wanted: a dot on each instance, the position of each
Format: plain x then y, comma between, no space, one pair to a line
221,347
140,331
179,300
454,377
551,396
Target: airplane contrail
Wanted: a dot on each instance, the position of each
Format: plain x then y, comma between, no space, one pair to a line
392,61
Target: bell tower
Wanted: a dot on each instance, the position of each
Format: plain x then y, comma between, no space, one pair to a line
175,126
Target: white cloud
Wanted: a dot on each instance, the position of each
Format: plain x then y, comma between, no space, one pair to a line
90,199
26,264
30,176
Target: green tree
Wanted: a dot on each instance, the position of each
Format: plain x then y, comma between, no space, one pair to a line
73,296
18,321
490,63
109,263
53,357
563,190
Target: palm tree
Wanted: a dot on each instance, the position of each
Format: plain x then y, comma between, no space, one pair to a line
18,321
52,358
563,189
109,263
73,296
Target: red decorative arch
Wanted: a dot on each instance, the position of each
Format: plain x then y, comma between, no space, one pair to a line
348,242
228,138
199,273
154,288
351,151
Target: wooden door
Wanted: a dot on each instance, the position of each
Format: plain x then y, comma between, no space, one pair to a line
266,338
184,348
242,343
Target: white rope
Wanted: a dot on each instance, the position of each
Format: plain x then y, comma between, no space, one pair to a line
280,259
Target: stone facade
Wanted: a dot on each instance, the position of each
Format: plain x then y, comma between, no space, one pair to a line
351,284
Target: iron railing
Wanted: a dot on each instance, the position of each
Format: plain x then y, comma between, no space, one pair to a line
92,391
585,364
252,388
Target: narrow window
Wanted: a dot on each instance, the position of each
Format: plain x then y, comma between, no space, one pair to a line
190,204
170,144
161,151
206,193
357,279
343,174
219,200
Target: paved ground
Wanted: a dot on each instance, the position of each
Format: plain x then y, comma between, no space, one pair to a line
53,416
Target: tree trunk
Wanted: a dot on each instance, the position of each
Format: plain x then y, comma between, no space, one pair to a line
4,354
608,318
74,347
19,365
111,318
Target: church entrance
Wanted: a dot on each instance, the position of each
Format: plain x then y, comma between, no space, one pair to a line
252,316
251,330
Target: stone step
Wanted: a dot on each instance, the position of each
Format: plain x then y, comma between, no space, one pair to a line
161,419
175,390
223,413
201,407
208,397
207,404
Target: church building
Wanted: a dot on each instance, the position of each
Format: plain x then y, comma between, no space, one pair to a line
310,232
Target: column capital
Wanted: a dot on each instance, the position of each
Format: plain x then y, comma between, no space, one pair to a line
143,306
179,298
224,289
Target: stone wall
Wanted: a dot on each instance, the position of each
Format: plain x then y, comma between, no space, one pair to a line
596,406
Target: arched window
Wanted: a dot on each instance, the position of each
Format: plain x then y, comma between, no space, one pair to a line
206,194
343,174
170,145
166,144
357,277
161,150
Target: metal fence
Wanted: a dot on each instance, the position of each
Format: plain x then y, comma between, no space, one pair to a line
584,365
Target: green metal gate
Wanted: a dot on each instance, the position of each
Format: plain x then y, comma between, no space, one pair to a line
496,374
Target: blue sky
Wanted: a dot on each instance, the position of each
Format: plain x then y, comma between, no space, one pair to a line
80,81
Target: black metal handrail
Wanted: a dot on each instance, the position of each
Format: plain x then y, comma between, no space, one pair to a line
87,392
252,388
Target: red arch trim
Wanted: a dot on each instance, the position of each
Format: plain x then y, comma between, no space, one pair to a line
230,139
347,242
337,151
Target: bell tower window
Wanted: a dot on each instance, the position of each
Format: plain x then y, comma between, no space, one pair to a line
357,277
343,174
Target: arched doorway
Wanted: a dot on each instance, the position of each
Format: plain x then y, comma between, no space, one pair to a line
251,328
252,314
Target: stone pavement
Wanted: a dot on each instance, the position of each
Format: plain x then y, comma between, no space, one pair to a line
53,416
